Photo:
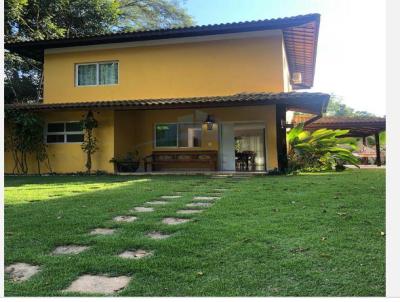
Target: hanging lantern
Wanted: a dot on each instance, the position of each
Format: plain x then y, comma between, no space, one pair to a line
209,122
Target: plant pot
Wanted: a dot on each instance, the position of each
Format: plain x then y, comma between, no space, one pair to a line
129,166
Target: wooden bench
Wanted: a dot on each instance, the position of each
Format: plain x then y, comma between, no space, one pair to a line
182,160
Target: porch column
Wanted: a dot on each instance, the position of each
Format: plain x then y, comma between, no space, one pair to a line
281,144
364,140
378,149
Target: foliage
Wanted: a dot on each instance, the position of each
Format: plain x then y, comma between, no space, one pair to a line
323,149
48,19
25,136
152,14
382,140
89,145
336,107
129,157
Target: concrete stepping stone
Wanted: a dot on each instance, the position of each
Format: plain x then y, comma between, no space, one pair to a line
142,209
158,235
206,198
92,284
102,231
199,204
220,190
19,272
69,249
174,221
170,196
125,218
189,211
157,202
135,254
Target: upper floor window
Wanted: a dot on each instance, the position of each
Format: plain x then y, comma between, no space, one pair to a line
64,132
93,74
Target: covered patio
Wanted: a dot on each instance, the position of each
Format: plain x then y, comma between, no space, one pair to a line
357,126
208,131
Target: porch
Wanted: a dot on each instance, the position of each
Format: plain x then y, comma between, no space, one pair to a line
247,132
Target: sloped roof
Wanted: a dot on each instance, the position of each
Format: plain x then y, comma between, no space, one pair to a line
300,35
299,101
358,126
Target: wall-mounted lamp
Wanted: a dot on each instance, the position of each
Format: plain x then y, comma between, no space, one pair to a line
209,122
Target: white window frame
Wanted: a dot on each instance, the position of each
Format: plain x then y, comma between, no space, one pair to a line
65,132
97,73
177,136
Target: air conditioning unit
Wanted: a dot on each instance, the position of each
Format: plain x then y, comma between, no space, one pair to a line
296,78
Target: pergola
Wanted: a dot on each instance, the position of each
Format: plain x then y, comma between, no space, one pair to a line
357,126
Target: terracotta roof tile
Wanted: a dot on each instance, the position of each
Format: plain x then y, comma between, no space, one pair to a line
314,102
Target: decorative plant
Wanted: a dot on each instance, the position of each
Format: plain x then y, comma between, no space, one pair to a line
323,149
129,157
25,136
129,163
89,145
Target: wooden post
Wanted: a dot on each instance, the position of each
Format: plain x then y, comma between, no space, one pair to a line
364,141
281,143
378,150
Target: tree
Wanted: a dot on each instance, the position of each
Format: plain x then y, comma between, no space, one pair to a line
321,150
48,19
89,145
336,107
25,137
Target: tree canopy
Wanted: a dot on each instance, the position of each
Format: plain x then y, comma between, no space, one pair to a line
45,19
336,107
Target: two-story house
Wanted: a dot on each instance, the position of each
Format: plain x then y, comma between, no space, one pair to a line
197,98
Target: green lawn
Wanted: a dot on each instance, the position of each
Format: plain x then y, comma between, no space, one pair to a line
307,235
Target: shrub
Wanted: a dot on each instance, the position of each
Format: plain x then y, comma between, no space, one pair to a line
321,150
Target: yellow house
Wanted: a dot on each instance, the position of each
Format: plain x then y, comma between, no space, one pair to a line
198,98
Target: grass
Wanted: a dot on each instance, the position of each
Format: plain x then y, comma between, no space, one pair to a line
307,235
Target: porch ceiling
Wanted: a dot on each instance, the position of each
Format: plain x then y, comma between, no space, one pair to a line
314,103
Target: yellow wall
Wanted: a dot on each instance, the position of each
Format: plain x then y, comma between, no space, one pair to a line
135,129
207,68
69,158
120,132
286,73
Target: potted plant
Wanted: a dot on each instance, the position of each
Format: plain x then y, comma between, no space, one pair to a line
129,163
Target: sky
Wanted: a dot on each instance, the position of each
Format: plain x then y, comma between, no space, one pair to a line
351,55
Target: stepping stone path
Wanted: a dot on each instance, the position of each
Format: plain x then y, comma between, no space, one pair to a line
173,220
136,254
157,202
205,198
170,196
69,249
142,209
157,235
199,204
19,272
189,211
102,231
124,218
92,284
103,284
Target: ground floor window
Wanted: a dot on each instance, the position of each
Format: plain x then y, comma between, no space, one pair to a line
181,135
64,132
